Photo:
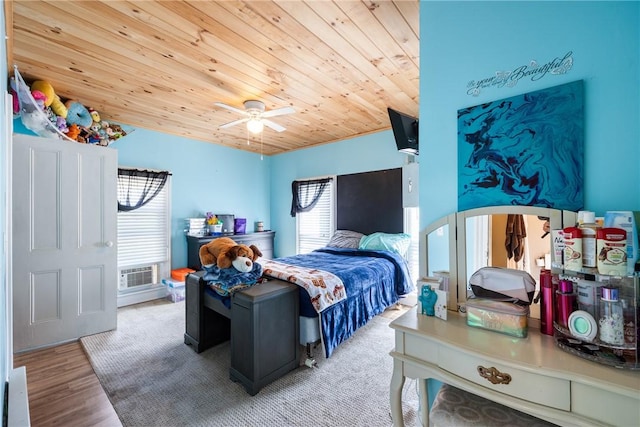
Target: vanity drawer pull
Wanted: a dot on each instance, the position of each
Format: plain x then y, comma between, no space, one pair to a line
493,375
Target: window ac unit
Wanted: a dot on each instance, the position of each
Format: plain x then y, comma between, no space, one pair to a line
140,276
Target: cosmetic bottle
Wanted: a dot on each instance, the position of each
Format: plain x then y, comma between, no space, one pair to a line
565,302
611,322
573,248
546,302
588,229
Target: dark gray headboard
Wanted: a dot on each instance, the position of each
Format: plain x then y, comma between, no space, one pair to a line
370,201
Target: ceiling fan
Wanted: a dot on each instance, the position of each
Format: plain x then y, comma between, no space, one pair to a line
256,116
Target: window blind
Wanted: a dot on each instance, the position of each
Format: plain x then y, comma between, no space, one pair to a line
143,234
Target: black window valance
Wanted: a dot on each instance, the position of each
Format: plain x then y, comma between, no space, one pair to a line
138,187
306,194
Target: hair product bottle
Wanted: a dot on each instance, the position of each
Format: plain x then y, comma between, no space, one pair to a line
546,302
565,302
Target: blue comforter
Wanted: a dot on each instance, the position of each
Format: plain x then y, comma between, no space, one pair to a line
374,280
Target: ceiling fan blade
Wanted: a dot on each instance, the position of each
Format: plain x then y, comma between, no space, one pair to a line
233,123
273,125
229,107
278,112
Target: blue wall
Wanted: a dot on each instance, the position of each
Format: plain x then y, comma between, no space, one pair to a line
367,153
205,178
464,41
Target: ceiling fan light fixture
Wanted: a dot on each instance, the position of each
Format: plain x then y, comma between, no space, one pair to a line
255,125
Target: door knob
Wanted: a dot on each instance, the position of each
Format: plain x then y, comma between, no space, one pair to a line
108,243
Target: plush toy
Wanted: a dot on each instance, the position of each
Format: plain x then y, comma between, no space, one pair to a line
61,124
52,100
73,132
78,114
40,98
225,252
95,116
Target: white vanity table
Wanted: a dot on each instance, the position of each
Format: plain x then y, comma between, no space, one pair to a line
528,374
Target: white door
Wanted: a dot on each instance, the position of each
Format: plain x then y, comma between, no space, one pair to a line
64,241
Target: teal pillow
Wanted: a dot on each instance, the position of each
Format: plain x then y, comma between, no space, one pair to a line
398,243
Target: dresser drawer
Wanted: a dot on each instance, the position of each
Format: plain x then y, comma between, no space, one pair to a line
591,402
541,389
420,348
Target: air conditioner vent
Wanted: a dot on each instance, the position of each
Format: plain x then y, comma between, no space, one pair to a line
140,276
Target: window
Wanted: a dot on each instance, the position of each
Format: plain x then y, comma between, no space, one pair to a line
412,228
144,239
315,227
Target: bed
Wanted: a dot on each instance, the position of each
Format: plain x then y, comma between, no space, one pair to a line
341,286
369,263
373,280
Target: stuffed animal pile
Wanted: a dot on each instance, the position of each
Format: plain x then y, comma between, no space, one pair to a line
229,267
224,252
71,118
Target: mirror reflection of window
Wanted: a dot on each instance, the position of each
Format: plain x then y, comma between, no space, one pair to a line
478,244
438,250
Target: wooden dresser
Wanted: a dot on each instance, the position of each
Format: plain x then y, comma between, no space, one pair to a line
530,374
262,240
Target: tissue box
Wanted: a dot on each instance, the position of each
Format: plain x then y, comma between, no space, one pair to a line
504,317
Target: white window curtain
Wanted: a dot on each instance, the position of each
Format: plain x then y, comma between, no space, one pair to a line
144,233
315,226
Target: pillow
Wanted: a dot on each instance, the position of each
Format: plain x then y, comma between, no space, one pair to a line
345,239
398,243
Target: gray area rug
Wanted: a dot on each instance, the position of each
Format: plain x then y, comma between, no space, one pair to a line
153,379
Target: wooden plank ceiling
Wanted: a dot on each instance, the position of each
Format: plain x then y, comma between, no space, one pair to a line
161,65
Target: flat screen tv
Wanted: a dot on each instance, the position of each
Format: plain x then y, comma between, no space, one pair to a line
405,131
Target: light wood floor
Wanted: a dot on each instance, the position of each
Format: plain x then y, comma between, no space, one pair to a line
63,389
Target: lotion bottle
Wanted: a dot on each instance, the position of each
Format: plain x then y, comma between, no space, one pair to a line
589,229
573,248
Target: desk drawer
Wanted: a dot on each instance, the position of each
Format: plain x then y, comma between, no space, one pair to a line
541,389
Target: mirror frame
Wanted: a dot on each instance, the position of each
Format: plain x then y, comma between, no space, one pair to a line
457,247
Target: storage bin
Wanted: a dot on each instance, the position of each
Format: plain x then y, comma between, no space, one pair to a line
180,274
176,294
500,316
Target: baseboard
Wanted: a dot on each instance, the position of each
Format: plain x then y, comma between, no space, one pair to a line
18,408
144,295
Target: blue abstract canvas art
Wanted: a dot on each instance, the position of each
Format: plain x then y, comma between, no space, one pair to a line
523,150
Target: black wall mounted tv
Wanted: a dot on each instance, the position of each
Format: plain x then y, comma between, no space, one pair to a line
405,131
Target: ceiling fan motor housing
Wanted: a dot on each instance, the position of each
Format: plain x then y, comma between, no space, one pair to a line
254,106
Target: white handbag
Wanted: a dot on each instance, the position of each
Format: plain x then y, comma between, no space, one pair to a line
503,284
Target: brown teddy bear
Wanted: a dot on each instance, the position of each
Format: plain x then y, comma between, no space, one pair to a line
225,252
